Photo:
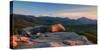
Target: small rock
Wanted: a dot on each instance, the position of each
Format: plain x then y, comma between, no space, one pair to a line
56,44
73,42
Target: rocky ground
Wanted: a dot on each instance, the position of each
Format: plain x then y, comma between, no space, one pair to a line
57,39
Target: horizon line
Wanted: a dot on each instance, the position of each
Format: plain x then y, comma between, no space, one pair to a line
57,16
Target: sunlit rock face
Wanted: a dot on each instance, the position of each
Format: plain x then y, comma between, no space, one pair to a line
56,44
57,27
16,41
13,40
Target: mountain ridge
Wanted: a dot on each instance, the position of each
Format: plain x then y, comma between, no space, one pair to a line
48,19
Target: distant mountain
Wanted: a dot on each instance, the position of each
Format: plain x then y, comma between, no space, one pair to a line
67,21
84,20
24,20
24,17
48,20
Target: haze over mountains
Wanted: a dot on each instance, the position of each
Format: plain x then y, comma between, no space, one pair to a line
50,20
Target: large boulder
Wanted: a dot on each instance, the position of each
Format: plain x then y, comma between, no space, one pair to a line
57,39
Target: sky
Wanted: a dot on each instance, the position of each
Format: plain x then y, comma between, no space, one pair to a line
54,9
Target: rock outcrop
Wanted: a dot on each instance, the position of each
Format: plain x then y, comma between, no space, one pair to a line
57,39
